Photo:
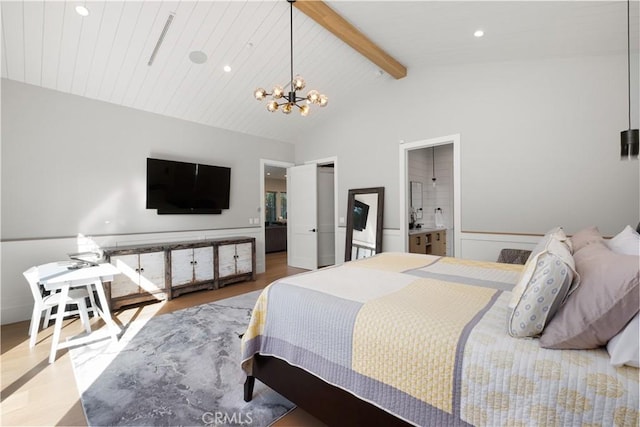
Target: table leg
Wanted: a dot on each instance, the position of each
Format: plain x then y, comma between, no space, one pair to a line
57,329
105,313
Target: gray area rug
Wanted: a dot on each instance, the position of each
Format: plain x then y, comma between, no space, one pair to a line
181,368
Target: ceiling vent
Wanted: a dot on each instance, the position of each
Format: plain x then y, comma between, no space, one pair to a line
161,39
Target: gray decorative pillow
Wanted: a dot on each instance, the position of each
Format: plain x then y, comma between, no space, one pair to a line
607,299
546,285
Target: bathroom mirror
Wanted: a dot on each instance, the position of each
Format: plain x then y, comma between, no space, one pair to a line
416,199
364,223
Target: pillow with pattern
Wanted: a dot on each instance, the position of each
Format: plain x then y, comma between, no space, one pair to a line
545,287
555,234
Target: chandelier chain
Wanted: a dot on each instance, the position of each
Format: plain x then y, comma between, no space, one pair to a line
291,34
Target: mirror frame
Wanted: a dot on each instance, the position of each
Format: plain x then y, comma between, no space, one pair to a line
379,226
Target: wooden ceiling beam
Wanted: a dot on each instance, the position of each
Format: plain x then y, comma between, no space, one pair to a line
337,25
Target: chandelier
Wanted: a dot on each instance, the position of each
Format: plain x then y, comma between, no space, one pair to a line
286,102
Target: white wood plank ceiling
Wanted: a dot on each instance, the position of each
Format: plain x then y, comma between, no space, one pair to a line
104,56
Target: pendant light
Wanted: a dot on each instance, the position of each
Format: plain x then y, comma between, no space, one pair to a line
286,101
433,165
629,138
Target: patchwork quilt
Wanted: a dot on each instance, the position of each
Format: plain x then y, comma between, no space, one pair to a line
424,338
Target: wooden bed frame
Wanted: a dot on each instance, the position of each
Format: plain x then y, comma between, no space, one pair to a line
331,405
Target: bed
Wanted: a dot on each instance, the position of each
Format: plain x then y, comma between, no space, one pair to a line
408,339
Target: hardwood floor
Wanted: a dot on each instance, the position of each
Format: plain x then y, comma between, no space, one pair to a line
35,392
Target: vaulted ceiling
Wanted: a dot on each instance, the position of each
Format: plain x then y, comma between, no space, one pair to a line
105,55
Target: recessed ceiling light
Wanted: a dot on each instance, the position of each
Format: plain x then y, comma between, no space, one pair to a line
82,11
478,33
227,69
198,57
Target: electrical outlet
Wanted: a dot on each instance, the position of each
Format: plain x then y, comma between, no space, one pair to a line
250,220
256,220
341,220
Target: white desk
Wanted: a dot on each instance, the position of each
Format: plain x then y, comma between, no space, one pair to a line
58,277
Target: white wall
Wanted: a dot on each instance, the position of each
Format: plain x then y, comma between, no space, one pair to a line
539,141
72,165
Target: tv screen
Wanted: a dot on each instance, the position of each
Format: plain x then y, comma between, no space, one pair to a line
181,187
360,213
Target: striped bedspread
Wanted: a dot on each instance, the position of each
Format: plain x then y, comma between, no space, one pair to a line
424,338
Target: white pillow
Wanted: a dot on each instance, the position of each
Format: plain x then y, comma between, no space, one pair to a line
627,242
624,348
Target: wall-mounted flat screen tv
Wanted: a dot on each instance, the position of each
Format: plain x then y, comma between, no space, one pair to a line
187,188
360,214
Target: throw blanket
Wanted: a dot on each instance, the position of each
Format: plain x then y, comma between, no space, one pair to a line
424,338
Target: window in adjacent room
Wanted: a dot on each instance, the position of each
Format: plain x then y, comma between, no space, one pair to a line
270,206
283,205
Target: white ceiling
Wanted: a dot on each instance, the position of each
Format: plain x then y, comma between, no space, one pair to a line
104,56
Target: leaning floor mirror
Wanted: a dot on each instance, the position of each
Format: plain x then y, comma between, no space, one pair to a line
364,223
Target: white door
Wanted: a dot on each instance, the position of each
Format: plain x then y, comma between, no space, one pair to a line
181,267
203,263
152,272
126,283
302,216
244,258
227,260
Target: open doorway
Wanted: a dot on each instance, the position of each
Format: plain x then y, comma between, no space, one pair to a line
274,206
430,202
275,209
441,160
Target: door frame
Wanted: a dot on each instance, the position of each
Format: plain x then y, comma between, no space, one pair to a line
263,163
404,149
325,161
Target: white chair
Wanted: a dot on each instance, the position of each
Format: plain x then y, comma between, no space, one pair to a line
51,268
76,296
